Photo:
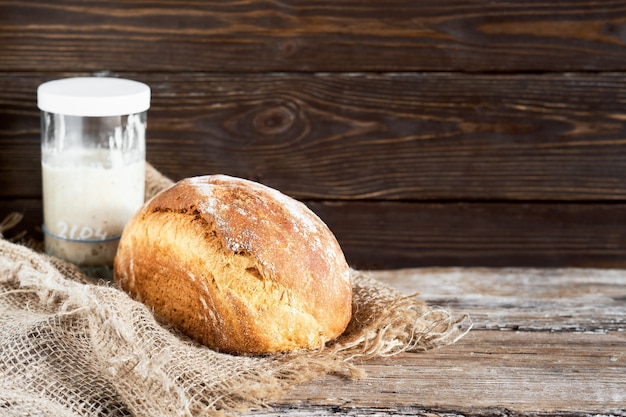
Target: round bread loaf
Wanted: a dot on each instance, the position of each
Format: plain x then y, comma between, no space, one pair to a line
237,266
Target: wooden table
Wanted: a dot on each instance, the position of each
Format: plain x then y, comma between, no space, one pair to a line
544,342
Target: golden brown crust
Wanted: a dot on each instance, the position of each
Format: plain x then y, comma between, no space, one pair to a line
237,266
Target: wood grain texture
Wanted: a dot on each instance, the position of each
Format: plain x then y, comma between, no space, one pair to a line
287,35
427,108
487,373
367,136
477,234
551,368
379,235
574,300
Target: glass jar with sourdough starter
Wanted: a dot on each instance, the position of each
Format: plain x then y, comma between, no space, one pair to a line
93,165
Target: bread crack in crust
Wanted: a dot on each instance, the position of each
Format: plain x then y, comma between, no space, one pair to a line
237,266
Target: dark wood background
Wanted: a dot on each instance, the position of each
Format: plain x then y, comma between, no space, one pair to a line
459,132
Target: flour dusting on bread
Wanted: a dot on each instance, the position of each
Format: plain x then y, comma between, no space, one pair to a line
302,220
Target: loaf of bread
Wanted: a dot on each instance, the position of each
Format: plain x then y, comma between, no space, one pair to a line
237,266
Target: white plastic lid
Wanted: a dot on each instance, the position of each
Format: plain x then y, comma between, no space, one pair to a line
93,96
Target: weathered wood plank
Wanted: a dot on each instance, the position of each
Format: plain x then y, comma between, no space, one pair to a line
407,234
286,35
367,136
570,372
485,373
377,235
547,300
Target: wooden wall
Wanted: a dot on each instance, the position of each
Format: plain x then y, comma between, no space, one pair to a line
457,132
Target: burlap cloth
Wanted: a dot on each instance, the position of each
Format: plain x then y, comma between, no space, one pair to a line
70,347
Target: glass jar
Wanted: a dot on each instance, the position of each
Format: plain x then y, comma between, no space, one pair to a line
93,166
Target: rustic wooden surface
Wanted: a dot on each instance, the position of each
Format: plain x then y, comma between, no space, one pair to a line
412,126
371,137
544,342
288,35
405,234
469,189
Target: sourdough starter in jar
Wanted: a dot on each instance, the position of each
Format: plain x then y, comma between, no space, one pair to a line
93,166
86,205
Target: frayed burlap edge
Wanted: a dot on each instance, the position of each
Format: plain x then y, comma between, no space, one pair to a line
146,368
